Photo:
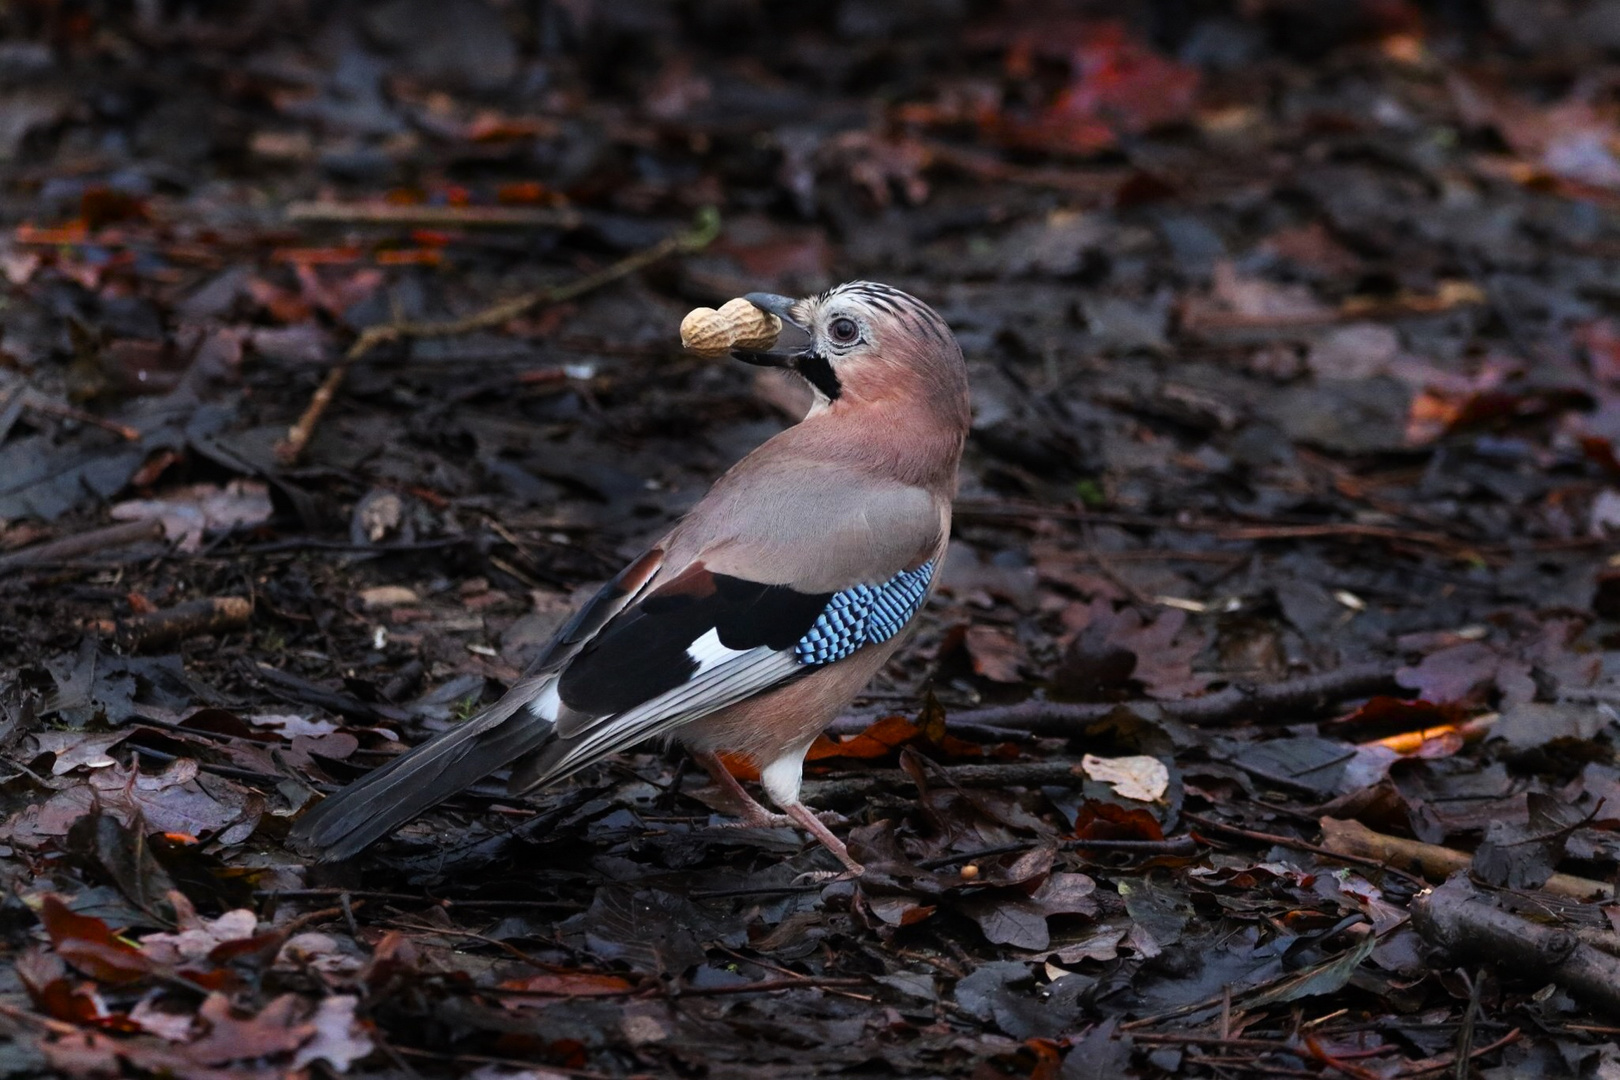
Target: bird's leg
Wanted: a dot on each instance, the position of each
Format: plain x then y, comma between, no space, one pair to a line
806,819
750,812
781,780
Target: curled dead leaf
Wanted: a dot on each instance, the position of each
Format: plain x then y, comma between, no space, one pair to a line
1138,777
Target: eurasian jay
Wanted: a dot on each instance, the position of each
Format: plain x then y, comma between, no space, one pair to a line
760,615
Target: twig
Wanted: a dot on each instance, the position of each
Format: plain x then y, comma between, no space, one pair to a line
208,767
157,629
68,412
1467,925
1465,1030
1023,774
698,237
807,982
1300,845
412,898
988,509
1308,693
1175,845
433,217
310,918
72,547
1265,993
1098,185
1424,1070
526,1065
1352,838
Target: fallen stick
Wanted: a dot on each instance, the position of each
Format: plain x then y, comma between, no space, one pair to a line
157,629
433,217
1210,824
1434,862
1467,925
298,436
1306,694
68,412
863,785
85,543
992,510
1223,325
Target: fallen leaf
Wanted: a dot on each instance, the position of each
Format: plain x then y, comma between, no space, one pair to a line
879,740
1112,648
1014,921
173,801
275,1029
291,726
45,976
76,749
1460,673
1118,86
173,1026
995,653
1139,777
340,1038
1067,894
89,944
1110,821
195,942
190,512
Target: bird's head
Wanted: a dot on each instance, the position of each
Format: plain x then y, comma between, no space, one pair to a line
868,343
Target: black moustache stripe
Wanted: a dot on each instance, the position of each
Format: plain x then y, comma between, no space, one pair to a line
818,372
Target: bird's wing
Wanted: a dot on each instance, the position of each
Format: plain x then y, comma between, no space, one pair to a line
375,805
671,641
798,576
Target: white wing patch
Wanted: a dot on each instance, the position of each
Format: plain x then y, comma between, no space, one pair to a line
546,704
707,653
745,674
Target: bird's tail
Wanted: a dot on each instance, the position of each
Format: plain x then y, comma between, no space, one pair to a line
345,823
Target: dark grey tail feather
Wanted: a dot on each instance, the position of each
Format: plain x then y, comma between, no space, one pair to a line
347,822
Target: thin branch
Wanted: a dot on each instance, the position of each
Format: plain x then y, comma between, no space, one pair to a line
85,543
1240,701
299,435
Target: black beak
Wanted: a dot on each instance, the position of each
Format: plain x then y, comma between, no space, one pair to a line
760,358
782,308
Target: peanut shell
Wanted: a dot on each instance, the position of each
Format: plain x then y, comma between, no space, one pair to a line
737,325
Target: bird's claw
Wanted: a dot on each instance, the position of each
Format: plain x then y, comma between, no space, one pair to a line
760,821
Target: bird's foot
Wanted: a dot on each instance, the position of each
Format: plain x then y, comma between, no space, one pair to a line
810,823
759,818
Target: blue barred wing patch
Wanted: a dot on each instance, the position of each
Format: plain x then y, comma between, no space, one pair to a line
864,615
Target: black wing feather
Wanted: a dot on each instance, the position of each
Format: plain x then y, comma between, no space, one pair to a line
644,651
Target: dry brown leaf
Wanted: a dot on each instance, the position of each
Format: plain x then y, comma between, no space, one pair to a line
1139,777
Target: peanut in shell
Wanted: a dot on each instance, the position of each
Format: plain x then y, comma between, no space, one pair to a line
736,325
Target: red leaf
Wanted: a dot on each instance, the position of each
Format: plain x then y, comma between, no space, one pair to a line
90,945
1109,821
996,653
877,741
1394,714
1119,86
45,978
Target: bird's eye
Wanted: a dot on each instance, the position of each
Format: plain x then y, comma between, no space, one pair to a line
843,330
